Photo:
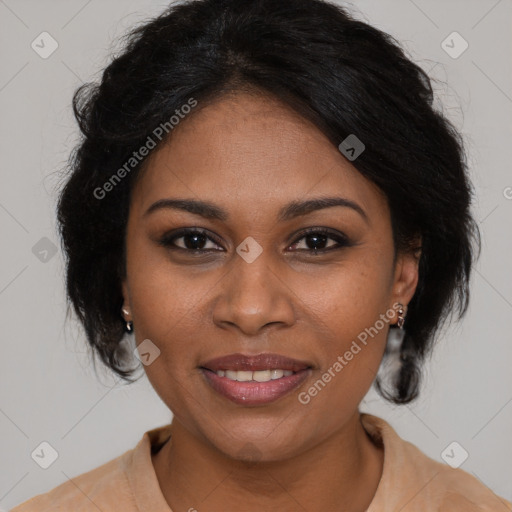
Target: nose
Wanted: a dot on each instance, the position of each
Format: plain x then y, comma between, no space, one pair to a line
253,296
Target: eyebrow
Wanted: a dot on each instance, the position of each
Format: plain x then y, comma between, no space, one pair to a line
290,211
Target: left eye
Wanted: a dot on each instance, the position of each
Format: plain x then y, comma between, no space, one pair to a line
317,238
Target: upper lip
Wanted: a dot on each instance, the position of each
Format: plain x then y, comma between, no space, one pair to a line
266,361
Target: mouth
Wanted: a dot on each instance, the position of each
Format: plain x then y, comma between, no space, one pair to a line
255,380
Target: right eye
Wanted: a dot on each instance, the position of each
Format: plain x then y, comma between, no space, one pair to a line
194,241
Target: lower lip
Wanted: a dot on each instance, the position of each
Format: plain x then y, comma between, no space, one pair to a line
255,393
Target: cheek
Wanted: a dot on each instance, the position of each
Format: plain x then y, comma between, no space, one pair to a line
351,313
350,362
164,302
350,297
166,307
164,296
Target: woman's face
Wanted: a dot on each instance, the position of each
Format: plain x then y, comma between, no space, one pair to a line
254,284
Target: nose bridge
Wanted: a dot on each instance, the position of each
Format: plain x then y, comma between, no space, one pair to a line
253,282
252,294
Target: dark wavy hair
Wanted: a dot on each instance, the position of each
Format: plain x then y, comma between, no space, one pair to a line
342,74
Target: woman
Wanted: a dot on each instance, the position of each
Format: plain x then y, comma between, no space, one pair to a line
266,201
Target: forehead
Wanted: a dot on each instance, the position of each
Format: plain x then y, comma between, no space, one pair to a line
249,151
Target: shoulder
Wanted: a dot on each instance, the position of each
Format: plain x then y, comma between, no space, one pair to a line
91,491
452,489
122,483
412,481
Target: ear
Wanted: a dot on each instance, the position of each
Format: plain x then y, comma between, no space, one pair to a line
406,275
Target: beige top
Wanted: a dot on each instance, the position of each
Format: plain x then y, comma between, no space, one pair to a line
410,482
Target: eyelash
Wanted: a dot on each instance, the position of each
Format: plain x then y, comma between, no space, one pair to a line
169,239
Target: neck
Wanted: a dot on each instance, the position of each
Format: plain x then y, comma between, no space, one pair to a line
340,473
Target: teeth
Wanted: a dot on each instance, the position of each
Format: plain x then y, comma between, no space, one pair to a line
261,376
243,376
258,376
276,374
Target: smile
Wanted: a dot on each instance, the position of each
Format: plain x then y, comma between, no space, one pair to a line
254,380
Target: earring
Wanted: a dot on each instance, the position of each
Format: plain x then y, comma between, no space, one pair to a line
129,324
401,317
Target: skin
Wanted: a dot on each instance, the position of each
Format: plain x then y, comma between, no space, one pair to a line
251,155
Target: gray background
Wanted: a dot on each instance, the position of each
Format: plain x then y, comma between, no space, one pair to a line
49,390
